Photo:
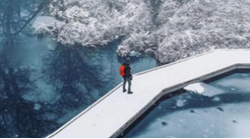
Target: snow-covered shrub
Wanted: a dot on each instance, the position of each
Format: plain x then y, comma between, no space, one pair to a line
140,42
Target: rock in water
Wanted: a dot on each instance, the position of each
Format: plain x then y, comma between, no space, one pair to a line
195,87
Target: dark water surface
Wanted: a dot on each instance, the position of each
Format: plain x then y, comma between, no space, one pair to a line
224,112
42,106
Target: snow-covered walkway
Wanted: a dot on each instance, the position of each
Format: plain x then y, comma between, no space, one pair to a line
115,111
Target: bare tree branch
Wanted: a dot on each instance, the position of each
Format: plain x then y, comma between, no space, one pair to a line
35,80
39,9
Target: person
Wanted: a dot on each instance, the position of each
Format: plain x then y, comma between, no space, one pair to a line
127,76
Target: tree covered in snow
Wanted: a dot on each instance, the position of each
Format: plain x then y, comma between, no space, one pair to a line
188,27
96,22
170,29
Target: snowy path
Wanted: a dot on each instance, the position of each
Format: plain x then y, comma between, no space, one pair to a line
116,110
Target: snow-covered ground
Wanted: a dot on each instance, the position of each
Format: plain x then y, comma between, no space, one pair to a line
116,110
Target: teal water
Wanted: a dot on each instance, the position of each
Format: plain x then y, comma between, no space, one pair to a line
53,91
225,114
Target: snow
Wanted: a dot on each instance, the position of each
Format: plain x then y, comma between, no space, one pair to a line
180,102
96,22
134,54
116,109
188,27
196,88
67,116
204,89
37,106
176,30
182,28
46,25
45,20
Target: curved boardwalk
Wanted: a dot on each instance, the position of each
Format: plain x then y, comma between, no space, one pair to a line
114,112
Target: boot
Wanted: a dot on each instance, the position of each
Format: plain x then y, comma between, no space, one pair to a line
130,92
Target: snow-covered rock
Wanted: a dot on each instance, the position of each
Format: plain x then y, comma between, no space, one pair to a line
195,87
204,89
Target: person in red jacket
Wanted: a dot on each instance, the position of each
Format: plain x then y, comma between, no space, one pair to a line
125,71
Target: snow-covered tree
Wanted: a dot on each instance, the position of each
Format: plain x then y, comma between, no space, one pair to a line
200,25
188,27
171,29
96,22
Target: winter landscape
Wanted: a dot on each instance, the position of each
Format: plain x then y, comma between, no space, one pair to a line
57,57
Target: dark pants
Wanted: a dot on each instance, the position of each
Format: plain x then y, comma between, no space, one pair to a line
127,79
